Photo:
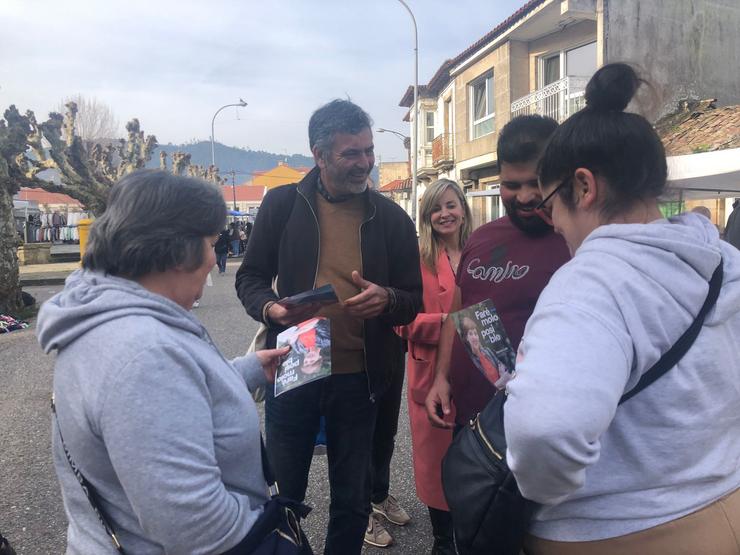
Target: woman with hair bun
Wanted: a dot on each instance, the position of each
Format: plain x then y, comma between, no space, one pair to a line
659,473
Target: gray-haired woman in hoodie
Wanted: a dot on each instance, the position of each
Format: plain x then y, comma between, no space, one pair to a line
153,415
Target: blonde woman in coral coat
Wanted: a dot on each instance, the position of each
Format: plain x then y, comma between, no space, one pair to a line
444,226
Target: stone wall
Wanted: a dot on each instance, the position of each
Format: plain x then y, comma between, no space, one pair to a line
687,48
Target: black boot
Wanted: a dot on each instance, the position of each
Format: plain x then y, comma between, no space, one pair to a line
444,544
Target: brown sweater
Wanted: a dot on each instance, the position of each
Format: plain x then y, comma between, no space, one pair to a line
339,255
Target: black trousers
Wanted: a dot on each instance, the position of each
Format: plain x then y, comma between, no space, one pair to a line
291,423
384,438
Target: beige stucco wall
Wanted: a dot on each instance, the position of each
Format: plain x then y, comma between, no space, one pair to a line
390,171
498,60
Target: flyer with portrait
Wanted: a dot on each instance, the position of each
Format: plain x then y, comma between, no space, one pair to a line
483,334
309,358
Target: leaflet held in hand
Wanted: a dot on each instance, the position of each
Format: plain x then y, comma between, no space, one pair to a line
483,334
309,358
323,295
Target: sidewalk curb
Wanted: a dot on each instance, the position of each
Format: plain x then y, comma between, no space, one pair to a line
34,281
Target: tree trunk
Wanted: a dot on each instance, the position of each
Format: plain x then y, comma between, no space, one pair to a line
10,287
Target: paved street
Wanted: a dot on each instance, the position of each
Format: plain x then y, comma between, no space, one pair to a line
31,513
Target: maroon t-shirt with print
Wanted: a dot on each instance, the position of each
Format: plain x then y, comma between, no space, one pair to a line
501,263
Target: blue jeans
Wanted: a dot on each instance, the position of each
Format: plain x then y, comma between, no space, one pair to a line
291,424
221,261
235,247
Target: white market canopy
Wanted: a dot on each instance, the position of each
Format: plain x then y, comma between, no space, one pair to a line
705,175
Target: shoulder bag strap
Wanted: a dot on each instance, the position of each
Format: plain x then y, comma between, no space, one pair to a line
87,487
267,471
681,347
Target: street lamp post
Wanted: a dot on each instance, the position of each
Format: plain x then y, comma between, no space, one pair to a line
241,104
415,133
233,187
405,139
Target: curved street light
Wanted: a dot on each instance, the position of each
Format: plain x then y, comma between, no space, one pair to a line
415,133
404,138
241,104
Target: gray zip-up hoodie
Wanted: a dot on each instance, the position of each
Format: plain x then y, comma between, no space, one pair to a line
159,422
607,316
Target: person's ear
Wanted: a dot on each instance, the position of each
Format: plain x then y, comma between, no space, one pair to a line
318,157
586,188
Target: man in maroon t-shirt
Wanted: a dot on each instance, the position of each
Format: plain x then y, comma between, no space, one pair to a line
509,261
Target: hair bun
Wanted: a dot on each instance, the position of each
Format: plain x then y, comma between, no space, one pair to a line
612,87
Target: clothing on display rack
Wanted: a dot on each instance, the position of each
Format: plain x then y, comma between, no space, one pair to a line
53,227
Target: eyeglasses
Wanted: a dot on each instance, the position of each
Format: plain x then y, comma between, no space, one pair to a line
544,208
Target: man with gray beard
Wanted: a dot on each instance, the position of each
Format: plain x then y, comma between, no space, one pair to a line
331,229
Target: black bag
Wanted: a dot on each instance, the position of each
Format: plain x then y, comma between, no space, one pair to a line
277,531
489,514
5,547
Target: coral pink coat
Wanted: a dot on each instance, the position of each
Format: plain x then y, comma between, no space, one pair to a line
429,443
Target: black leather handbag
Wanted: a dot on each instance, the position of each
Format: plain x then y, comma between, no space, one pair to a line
489,514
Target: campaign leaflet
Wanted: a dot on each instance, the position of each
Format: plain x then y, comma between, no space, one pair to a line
323,295
309,358
483,334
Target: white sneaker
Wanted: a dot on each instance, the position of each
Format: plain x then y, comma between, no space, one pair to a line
392,510
376,534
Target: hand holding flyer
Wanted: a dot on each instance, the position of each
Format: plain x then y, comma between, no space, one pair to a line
481,330
310,356
321,296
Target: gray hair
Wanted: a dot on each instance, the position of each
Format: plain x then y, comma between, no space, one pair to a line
155,221
338,116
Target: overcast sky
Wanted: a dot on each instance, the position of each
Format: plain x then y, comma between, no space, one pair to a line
173,63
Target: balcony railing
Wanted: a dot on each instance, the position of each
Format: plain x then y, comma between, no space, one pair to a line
558,100
442,153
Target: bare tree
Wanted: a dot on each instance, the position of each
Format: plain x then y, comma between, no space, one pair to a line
28,148
95,121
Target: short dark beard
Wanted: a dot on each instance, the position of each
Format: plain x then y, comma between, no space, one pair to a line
533,227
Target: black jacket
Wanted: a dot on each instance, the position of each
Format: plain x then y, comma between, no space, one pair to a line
285,243
222,244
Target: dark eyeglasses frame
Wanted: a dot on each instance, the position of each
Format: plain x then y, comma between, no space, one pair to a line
542,206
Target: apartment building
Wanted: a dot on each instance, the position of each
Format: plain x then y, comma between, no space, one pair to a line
539,60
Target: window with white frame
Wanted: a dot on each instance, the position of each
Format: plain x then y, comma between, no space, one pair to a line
574,62
481,106
429,127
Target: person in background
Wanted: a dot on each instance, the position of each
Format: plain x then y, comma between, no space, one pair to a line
222,250
331,228
732,230
704,211
242,239
235,239
445,223
158,421
508,260
660,473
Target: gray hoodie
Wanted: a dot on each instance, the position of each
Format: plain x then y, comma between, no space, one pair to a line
605,318
155,418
